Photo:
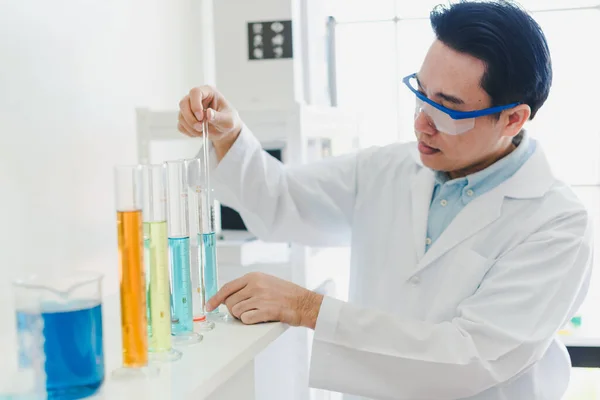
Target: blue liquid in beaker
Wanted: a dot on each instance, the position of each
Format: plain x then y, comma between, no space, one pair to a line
73,348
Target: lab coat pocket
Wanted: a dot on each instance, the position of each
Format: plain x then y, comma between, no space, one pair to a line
461,274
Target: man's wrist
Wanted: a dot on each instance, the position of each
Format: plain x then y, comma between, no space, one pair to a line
309,309
224,145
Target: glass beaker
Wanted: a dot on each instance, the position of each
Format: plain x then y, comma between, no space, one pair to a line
22,374
70,307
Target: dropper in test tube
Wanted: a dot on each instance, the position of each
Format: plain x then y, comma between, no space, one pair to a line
206,237
182,323
132,279
157,261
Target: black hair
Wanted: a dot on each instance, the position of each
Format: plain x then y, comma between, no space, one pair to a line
510,43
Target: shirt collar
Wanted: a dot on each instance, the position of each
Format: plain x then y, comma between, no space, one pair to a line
504,167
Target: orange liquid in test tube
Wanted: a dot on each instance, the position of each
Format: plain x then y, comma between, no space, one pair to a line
133,290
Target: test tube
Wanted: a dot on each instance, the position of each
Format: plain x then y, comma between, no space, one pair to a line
157,260
195,179
132,279
182,323
207,236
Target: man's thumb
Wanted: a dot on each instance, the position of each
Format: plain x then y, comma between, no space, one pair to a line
221,120
216,117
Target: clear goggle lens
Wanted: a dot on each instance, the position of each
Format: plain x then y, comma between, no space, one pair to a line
442,121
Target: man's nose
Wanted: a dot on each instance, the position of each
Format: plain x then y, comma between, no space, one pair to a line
423,123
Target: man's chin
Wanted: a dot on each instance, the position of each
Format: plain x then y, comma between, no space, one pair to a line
433,161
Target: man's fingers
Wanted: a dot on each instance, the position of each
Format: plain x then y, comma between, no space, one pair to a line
188,129
195,100
227,290
237,297
256,316
186,112
182,129
241,307
200,99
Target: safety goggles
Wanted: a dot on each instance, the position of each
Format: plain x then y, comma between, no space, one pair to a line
445,120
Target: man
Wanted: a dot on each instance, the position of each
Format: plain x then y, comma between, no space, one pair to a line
467,254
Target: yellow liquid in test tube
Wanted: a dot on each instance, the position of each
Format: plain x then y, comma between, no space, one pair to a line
133,289
159,291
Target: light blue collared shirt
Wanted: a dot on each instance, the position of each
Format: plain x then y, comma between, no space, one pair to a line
451,196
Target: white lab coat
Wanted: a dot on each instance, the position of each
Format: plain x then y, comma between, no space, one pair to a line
475,317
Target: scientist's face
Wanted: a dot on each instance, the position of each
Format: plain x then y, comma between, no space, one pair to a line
452,79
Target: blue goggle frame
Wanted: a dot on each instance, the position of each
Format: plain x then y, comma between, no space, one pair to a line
453,113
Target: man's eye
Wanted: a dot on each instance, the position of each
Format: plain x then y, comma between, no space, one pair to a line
450,107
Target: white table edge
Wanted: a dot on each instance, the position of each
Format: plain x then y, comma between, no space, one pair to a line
247,356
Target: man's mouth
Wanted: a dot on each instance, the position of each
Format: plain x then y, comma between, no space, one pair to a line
426,149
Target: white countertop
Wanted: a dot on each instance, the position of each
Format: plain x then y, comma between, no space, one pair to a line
203,367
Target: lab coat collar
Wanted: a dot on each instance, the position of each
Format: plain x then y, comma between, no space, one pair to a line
532,180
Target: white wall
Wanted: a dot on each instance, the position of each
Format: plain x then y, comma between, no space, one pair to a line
315,77
257,84
71,75
271,84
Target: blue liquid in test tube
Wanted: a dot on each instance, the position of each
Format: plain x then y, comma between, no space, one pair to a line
182,319
179,249
209,261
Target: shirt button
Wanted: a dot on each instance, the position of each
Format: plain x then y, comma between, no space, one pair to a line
444,203
470,192
415,280
428,241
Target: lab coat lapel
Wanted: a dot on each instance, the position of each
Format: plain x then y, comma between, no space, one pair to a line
532,180
481,212
421,192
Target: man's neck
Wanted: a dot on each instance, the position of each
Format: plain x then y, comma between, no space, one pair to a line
491,159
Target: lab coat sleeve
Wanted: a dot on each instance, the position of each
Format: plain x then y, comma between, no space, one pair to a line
505,327
308,204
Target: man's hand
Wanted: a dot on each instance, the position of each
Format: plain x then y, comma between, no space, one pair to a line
206,103
258,297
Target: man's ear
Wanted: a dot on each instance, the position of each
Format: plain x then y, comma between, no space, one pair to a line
514,119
